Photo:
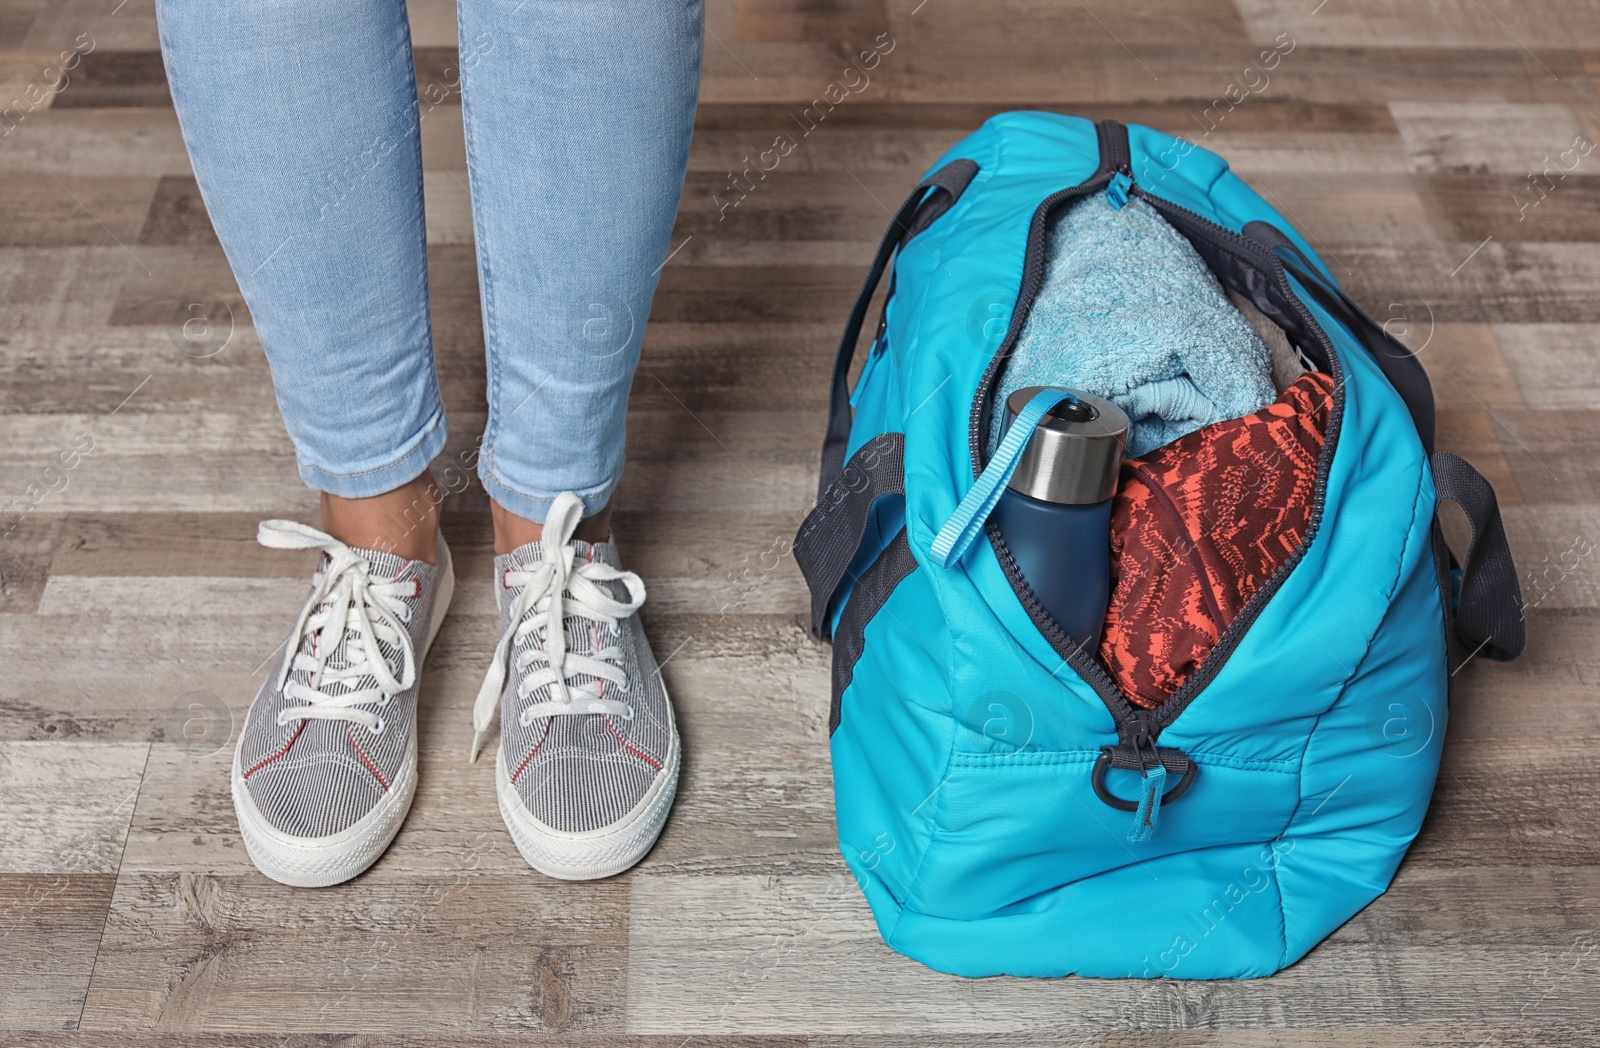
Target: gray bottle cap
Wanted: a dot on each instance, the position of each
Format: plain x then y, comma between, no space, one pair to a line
1075,454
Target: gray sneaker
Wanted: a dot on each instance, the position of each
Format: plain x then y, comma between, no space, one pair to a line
588,759
327,761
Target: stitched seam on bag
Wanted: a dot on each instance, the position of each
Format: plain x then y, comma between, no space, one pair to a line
904,348
1285,765
1283,910
903,900
906,906
949,770
1211,186
985,761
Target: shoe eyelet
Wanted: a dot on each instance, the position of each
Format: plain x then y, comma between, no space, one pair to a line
379,729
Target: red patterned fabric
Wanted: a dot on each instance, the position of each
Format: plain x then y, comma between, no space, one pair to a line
1199,525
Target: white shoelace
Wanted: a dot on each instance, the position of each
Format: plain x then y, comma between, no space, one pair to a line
346,601
556,587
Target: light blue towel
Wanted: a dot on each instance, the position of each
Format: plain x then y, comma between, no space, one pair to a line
1131,313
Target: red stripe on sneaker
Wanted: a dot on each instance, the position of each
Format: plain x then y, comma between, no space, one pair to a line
531,752
268,760
373,768
637,753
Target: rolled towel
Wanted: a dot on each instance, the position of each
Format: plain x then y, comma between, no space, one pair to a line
1130,312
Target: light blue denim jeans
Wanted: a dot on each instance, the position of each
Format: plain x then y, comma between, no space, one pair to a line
302,121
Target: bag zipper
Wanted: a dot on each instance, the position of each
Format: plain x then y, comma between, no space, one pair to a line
1137,727
1115,155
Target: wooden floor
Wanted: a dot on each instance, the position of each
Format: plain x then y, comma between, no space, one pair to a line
137,608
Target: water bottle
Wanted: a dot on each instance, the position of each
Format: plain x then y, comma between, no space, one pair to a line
1055,513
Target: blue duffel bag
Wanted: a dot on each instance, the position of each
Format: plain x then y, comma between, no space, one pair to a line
1004,807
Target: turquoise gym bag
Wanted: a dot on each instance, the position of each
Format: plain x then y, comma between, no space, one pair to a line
1005,809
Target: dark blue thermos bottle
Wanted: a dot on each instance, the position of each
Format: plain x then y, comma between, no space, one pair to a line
1055,513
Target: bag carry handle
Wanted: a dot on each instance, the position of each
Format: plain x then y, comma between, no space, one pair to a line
1487,617
831,533
1397,362
1487,614
947,183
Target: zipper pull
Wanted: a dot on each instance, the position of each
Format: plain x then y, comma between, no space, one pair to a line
1152,780
1137,751
1139,735
1117,189
1151,787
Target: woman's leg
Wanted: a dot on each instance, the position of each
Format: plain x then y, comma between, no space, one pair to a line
578,120
301,120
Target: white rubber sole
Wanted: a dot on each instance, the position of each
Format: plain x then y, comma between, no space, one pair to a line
317,862
598,853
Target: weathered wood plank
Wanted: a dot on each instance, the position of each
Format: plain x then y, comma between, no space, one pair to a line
1545,207
105,78
26,545
1343,207
1448,23
124,1039
463,952
50,926
112,27
1491,282
1556,365
142,143
1205,23
1088,66
957,117
1486,137
746,935
730,478
41,834
55,211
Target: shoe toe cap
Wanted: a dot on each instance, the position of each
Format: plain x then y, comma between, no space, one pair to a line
314,799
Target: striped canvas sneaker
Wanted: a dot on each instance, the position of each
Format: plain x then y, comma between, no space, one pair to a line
327,762
588,758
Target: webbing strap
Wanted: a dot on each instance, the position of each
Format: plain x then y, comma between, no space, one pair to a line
831,533
876,585
947,183
965,524
1487,616
1397,362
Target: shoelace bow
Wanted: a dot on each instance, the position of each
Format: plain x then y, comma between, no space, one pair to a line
556,587
345,600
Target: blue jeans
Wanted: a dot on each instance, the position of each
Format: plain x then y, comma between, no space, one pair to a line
301,118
